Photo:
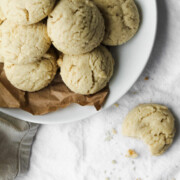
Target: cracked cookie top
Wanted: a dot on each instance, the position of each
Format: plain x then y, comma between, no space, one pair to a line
87,73
121,20
76,26
27,11
34,76
152,123
24,44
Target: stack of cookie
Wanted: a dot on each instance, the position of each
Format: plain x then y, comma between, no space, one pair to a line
29,63
76,28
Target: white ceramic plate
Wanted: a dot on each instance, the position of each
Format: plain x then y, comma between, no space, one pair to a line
130,60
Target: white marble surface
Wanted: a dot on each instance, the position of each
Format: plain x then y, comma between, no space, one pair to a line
79,151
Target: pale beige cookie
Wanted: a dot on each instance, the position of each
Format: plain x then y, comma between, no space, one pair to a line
87,73
121,20
152,123
76,26
34,76
24,44
27,11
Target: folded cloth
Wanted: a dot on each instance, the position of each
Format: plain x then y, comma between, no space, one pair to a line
16,137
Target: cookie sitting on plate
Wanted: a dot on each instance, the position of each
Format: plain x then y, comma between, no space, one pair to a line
26,12
76,26
33,76
22,44
121,20
87,73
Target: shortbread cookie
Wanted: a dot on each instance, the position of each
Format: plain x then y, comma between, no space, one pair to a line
76,26
152,123
27,11
34,76
24,44
121,20
87,73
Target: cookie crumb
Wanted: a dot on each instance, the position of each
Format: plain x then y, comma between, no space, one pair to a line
116,105
114,162
109,136
146,78
132,153
114,131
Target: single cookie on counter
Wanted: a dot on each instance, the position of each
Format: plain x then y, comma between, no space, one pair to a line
121,20
76,26
27,12
87,73
152,123
24,44
34,76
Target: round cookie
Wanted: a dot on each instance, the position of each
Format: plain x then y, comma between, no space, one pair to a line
121,20
87,73
24,44
27,12
76,26
34,76
152,123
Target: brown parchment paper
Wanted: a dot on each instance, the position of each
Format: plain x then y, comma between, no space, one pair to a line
49,99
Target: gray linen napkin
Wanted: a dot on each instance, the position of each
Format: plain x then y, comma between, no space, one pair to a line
16,138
